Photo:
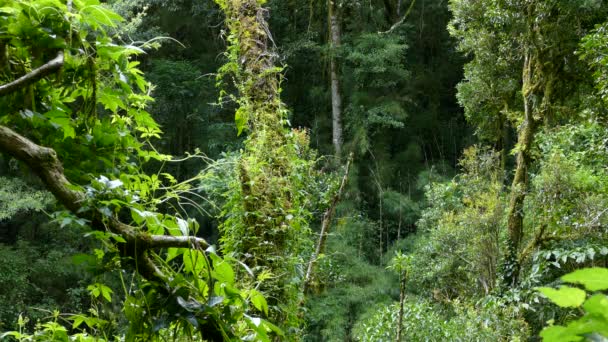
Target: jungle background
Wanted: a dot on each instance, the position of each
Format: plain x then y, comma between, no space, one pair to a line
450,156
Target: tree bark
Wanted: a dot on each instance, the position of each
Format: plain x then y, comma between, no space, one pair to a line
402,281
33,76
44,163
336,95
520,180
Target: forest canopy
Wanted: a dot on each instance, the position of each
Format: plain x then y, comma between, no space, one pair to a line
278,170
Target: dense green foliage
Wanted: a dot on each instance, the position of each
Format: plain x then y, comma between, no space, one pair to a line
185,205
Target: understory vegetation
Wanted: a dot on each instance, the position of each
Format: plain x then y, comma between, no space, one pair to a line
323,170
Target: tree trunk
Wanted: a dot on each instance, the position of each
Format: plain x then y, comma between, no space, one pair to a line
520,180
403,279
336,96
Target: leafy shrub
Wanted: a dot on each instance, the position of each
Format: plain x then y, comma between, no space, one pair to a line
466,214
16,196
491,320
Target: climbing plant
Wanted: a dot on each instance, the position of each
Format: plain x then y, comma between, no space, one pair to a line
73,111
266,212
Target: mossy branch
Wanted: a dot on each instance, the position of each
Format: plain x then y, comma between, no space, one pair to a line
45,164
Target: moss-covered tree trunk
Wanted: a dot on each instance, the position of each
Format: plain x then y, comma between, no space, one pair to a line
520,180
538,79
265,218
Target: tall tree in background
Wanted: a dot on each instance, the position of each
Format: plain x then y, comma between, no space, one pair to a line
335,38
543,37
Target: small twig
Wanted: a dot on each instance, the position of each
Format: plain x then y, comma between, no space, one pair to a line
33,76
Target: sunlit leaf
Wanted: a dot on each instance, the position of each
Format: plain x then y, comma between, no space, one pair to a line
594,279
565,296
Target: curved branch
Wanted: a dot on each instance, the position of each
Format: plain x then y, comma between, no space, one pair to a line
397,24
33,76
44,162
166,241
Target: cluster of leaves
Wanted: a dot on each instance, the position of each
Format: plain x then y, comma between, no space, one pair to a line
465,214
207,297
96,107
593,325
376,65
593,50
101,109
570,192
17,197
347,283
425,321
39,278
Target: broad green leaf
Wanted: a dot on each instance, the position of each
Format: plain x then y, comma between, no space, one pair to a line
97,290
94,291
111,99
78,320
258,301
172,253
106,292
597,304
588,324
274,328
594,278
84,3
101,15
171,226
240,119
60,119
558,333
565,296
255,323
222,270
194,261
140,216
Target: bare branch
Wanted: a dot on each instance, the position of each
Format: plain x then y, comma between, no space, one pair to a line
165,241
325,225
33,76
402,20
